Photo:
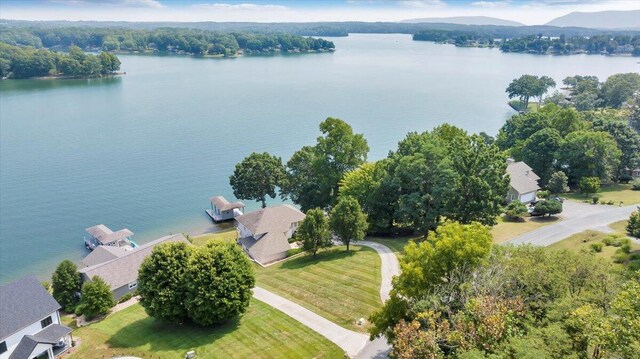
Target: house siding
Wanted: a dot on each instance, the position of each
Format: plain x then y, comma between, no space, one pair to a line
14,339
119,292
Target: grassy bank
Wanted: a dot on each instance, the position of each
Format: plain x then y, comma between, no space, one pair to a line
615,192
506,229
262,332
230,235
337,285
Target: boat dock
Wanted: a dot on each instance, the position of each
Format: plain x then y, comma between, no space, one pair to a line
223,210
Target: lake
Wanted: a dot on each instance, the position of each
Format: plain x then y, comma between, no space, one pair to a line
146,150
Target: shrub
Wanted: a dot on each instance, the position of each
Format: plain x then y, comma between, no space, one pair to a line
595,199
543,194
589,185
608,240
636,185
610,202
633,226
125,297
96,300
548,207
625,178
626,248
558,183
596,247
293,251
516,210
620,256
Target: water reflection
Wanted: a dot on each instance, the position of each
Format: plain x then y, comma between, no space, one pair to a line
30,85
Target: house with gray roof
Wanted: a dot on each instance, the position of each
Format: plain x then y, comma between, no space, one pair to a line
523,182
30,325
264,234
119,269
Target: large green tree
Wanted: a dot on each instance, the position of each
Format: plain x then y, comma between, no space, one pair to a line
257,177
96,300
348,222
336,152
314,232
219,280
626,138
589,154
161,282
558,183
619,88
66,284
539,151
524,87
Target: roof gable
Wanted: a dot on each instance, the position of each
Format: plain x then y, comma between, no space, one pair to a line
522,178
22,303
271,219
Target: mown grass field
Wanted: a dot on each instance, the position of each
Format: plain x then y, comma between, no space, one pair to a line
506,230
228,235
263,332
339,286
615,192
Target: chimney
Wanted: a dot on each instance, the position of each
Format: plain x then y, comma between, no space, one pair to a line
510,160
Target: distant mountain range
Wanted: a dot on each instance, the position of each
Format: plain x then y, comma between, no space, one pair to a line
600,20
464,20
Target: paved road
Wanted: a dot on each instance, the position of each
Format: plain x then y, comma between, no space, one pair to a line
356,345
351,342
577,217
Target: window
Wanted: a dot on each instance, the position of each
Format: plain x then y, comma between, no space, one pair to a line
133,284
3,347
46,322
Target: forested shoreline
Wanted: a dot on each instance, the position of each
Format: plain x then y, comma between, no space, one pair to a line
168,40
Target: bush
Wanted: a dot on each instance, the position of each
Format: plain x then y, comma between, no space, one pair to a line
626,248
633,226
125,297
596,247
620,256
625,178
610,202
636,185
548,207
96,299
615,240
595,199
543,194
589,185
516,210
294,251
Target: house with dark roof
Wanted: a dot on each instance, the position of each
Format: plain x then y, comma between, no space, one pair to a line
30,325
119,268
523,182
264,234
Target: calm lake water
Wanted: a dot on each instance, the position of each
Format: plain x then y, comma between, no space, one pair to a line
146,150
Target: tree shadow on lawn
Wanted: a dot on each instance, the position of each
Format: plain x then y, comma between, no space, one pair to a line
162,336
542,219
324,256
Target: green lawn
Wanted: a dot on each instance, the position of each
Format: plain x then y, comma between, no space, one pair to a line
395,244
581,242
615,192
506,230
228,235
342,287
620,226
263,332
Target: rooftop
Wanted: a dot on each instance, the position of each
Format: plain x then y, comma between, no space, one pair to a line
22,303
105,235
271,219
222,204
522,177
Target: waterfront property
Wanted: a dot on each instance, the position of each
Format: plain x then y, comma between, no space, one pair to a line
523,183
223,210
264,234
119,269
30,325
102,235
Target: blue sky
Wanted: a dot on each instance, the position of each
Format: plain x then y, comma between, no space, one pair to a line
529,12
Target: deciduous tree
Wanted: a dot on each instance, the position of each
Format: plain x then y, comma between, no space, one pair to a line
348,221
66,283
558,183
257,177
96,299
314,232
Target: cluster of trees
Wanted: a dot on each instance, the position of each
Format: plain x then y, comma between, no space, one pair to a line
459,297
598,44
588,93
91,299
207,285
446,173
189,41
459,38
21,62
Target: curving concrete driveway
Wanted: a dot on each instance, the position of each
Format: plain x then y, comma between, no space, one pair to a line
356,345
577,217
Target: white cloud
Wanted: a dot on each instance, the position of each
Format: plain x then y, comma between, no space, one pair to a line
240,7
491,4
154,4
419,4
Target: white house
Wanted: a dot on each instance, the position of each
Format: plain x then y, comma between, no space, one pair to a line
223,210
119,268
30,325
523,184
264,233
